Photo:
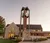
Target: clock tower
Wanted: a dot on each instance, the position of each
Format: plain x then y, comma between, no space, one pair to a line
25,14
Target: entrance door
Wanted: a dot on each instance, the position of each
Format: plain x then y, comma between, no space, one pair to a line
10,35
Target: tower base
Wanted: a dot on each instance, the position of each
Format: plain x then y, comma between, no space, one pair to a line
26,35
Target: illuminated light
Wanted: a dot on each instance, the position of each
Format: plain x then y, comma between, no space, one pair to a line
12,35
39,30
34,30
49,34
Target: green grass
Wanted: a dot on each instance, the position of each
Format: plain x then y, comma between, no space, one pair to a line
7,41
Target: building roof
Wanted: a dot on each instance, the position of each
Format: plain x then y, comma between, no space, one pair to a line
32,26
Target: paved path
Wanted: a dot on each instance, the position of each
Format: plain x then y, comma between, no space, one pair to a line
47,41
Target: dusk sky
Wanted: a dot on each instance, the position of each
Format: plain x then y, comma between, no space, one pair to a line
39,11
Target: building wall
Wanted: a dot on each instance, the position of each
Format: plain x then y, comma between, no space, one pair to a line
12,29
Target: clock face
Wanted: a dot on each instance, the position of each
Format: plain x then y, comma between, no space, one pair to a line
26,13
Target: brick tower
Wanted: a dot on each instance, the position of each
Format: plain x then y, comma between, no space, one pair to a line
25,14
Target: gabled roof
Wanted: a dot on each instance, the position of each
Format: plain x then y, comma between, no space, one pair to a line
12,25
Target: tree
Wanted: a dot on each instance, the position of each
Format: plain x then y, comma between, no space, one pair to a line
2,24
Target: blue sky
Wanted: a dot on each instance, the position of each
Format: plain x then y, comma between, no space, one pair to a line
39,11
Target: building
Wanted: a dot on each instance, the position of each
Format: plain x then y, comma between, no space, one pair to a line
11,29
14,29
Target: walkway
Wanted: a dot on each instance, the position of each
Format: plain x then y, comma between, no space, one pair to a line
47,41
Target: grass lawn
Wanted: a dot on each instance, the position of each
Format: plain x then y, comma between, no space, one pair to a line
7,41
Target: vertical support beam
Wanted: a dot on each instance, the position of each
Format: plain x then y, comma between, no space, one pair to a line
29,22
20,25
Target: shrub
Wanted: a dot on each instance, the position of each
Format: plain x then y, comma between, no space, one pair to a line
48,37
40,39
17,38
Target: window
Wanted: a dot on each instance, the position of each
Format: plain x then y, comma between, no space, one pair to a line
34,30
38,30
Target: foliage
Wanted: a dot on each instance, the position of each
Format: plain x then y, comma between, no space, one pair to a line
39,39
17,38
2,24
1,28
48,37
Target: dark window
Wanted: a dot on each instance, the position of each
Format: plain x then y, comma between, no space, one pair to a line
37,34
